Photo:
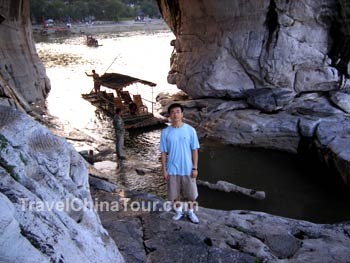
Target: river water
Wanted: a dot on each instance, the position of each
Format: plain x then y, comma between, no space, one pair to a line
293,189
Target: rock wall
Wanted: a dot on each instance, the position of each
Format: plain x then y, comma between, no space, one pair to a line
265,73
47,213
22,75
222,50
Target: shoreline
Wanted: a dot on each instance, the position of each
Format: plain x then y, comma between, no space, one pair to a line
102,27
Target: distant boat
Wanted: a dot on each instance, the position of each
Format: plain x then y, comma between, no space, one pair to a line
134,112
91,41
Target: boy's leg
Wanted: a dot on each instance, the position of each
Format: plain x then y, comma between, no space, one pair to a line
173,187
190,191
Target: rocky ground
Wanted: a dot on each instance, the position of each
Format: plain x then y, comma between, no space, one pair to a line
33,155
221,236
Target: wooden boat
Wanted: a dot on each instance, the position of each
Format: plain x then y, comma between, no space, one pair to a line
91,41
134,112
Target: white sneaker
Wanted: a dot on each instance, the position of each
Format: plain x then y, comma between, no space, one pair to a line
192,216
178,215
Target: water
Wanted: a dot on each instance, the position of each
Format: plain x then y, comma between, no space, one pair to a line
141,55
295,187
292,190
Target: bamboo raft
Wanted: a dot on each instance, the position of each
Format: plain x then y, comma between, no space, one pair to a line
134,112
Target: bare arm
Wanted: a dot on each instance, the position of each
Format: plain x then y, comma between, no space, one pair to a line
88,75
195,163
164,172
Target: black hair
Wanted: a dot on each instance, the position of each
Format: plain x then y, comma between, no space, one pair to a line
118,110
175,105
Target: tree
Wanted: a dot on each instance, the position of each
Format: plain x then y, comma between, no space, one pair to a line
55,9
100,9
37,10
149,7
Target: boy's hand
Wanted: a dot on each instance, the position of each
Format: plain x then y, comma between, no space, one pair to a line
165,175
194,173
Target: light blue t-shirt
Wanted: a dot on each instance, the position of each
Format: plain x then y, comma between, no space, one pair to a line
179,143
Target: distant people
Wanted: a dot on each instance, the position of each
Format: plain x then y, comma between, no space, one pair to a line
96,77
179,149
120,132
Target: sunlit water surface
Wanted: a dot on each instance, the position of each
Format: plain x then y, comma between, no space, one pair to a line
292,190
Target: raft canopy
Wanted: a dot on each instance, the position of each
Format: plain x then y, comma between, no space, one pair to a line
118,81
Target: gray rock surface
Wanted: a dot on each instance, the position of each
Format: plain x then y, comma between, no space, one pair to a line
101,184
47,210
342,100
269,100
222,50
319,107
221,236
14,246
340,152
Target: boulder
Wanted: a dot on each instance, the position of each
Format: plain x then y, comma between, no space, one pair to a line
223,50
48,211
283,245
321,79
340,149
327,130
102,184
269,100
313,106
253,128
341,100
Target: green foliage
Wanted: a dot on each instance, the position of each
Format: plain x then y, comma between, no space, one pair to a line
37,9
63,10
149,8
9,168
24,160
3,163
3,142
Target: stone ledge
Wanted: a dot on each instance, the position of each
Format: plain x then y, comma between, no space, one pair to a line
222,236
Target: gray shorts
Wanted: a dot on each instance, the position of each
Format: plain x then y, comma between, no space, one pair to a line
182,187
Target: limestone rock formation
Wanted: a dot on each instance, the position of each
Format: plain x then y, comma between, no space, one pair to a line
342,100
269,100
47,211
223,49
22,75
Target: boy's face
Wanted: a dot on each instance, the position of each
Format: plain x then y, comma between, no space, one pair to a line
176,114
